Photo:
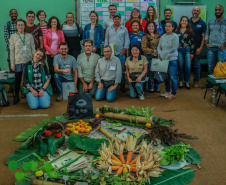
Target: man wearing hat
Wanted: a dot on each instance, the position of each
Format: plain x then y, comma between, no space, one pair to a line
117,34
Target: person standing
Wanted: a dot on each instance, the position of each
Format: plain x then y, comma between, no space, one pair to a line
167,15
216,39
36,81
87,62
109,21
41,16
95,32
108,75
73,35
65,68
118,35
186,51
167,50
34,30
9,29
52,39
149,45
151,15
136,14
22,48
199,28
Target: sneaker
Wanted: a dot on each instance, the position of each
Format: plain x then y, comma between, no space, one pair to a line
123,88
59,98
207,86
165,95
141,97
196,85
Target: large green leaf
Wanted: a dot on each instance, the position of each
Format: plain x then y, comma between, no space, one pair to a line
85,143
54,143
193,157
174,177
43,147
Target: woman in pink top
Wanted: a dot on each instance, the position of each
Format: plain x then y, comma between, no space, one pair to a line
52,39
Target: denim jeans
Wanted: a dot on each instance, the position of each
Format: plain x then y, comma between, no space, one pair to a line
122,60
150,83
172,70
184,64
35,102
58,80
197,68
91,91
101,93
215,55
138,89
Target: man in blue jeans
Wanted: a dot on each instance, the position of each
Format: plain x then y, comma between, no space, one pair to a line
199,28
65,68
117,34
216,40
108,74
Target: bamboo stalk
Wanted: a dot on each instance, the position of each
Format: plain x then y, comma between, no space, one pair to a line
109,135
126,117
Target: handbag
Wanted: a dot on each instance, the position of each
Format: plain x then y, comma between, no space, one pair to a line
79,106
159,65
108,84
159,77
135,75
220,70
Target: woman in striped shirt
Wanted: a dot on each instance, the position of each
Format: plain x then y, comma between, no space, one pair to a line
41,15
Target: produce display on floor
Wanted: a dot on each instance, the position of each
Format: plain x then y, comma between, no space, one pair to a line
117,146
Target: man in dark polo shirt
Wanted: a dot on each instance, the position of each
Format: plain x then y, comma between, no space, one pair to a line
34,30
167,15
199,28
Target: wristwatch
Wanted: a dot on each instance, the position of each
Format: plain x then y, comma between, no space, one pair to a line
43,89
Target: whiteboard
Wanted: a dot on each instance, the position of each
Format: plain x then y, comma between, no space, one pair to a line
124,7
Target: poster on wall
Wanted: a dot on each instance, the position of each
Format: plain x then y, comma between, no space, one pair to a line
86,7
184,10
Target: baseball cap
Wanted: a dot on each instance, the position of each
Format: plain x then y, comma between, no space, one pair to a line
117,15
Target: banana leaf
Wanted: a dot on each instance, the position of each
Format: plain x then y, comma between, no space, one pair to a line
174,177
193,157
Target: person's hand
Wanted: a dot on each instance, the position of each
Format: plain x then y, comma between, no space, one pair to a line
155,52
198,51
76,90
41,93
113,87
13,68
35,93
100,86
90,86
191,56
53,55
222,47
122,53
138,80
208,46
129,79
94,50
67,70
85,87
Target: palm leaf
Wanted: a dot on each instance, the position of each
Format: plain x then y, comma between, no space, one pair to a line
174,177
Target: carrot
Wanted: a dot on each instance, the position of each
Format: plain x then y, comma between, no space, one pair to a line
115,158
125,170
129,157
135,160
116,163
115,167
121,157
119,170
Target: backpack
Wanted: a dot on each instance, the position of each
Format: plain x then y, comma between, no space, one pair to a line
3,96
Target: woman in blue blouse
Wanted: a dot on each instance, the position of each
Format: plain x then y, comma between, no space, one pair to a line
95,32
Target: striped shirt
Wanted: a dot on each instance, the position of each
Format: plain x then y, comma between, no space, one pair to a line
43,28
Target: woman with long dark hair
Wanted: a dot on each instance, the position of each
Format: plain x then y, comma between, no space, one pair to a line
41,16
95,32
52,39
151,15
149,45
186,51
73,35
136,14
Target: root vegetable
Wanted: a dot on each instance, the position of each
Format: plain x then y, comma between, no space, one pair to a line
119,172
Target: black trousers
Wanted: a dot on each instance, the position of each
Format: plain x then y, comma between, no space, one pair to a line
51,72
74,52
18,77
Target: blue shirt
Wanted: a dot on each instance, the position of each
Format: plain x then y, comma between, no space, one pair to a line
136,38
199,28
120,38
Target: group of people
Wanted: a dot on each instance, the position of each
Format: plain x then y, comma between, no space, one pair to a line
128,52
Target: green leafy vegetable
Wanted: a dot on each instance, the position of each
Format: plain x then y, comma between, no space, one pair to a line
19,175
13,165
54,143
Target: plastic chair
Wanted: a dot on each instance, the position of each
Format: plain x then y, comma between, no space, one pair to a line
213,82
222,88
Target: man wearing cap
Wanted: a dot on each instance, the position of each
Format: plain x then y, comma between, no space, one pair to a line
117,35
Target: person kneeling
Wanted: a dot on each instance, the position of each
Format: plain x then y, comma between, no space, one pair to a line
36,80
136,68
65,68
108,74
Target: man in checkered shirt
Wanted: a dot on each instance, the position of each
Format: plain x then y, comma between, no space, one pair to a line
9,29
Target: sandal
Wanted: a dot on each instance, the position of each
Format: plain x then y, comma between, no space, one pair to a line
187,86
171,96
180,85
